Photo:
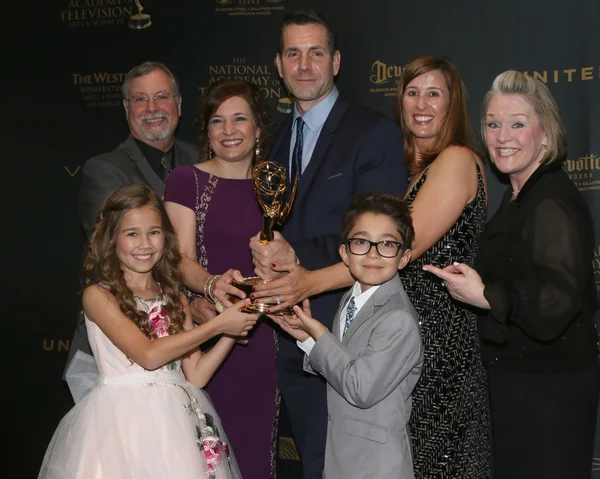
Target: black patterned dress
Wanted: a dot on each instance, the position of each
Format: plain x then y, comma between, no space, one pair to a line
450,410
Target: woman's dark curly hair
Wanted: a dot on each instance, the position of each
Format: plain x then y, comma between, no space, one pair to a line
102,266
218,93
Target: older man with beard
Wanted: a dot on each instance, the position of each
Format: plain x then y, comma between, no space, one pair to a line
152,103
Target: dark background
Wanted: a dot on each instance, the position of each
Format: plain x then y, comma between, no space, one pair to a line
61,77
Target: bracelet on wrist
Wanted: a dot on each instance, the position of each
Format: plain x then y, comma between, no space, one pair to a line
208,288
207,284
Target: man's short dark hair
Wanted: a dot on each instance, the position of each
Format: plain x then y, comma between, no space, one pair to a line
307,17
385,204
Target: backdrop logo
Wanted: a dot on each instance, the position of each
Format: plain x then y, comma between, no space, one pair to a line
73,172
139,20
248,7
566,75
261,75
59,345
384,77
100,89
596,267
584,172
102,13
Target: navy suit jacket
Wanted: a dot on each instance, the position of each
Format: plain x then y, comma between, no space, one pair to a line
358,149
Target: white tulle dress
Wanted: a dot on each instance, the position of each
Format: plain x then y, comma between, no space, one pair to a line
137,423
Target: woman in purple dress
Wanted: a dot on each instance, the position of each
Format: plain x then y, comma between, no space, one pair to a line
215,212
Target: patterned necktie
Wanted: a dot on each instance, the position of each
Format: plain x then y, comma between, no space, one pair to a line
350,313
166,164
297,154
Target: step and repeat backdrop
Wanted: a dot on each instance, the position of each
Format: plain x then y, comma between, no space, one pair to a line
69,58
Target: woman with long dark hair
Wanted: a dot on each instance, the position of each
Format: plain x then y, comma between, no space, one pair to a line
214,209
448,199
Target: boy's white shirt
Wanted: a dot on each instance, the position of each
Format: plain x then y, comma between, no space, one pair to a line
360,300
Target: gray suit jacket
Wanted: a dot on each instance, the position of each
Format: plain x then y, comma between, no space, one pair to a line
100,176
371,374
125,165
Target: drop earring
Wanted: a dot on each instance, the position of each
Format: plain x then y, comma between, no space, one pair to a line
257,151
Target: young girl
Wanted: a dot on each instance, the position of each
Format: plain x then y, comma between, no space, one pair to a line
146,417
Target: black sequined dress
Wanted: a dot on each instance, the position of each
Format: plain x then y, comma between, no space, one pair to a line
450,410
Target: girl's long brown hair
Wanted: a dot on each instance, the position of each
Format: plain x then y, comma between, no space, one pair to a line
102,266
456,127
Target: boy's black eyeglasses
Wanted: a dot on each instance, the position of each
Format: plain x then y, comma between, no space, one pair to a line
385,248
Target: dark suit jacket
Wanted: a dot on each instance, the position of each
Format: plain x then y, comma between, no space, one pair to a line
358,149
124,165
101,175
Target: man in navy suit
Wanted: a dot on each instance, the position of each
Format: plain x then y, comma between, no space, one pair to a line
337,149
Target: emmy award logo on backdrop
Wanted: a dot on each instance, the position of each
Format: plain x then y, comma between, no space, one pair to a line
270,185
139,20
285,105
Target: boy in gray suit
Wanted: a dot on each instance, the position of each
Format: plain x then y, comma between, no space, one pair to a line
373,356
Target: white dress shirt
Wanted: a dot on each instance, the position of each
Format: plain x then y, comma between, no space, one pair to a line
360,299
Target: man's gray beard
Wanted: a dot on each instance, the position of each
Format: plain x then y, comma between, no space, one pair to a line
150,133
163,134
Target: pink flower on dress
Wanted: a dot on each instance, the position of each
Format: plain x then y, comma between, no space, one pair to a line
213,451
159,321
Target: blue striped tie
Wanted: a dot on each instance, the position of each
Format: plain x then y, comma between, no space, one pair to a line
350,313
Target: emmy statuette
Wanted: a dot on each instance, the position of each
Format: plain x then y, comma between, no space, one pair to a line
139,20
270,184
